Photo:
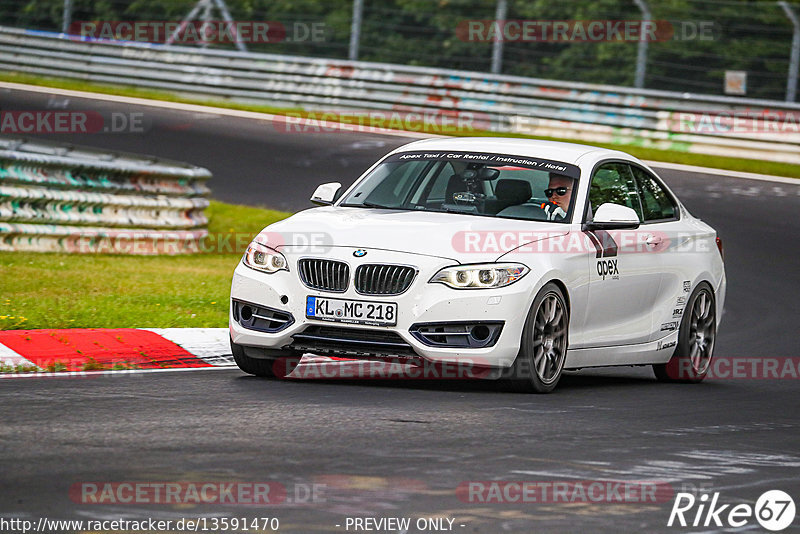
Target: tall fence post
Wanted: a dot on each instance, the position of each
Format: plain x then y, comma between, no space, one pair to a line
226,15
641,51
66,18
794,60
497,46
355,29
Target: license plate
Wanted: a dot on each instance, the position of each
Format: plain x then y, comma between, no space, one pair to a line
351,311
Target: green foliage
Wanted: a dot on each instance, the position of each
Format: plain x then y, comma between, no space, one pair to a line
6,368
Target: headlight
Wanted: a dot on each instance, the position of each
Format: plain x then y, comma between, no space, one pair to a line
264,259
484,276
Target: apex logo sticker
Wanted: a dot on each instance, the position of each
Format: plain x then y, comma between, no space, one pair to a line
608,268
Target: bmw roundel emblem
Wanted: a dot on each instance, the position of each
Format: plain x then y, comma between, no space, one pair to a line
360,253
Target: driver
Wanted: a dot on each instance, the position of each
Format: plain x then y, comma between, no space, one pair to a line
559,194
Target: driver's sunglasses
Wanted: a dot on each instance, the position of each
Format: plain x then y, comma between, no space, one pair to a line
560,191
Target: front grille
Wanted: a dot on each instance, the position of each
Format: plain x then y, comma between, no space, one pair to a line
325,275
375,279
352,342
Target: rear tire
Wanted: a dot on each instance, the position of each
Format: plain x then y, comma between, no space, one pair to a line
543,348
274,364
692,357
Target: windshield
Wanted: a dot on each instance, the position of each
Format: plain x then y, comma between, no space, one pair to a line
490,185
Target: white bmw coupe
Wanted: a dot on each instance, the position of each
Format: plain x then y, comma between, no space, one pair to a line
524,258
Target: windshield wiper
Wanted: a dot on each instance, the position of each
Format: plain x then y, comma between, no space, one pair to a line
373,205
381,206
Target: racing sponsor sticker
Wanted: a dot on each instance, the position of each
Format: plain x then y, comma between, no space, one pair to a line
672,325
539,164
608,268
666,344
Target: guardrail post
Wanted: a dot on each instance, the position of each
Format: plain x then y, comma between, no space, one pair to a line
641,52
66,18
497,46
794,61
355,29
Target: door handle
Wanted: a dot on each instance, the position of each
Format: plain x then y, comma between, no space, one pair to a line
654,240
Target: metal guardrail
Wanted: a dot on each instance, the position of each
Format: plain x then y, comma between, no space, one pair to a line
59,198
583,112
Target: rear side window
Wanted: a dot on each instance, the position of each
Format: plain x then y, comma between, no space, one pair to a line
614,183
656,203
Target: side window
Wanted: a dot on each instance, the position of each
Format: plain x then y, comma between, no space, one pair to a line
656,203
614,183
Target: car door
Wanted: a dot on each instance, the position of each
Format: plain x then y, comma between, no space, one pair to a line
667,242
624,278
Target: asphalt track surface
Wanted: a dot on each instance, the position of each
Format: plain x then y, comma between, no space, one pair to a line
401,448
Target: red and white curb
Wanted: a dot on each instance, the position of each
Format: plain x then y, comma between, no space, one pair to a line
82,351
114,349
91,351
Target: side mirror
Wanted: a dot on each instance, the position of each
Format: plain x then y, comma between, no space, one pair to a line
614,217
326,194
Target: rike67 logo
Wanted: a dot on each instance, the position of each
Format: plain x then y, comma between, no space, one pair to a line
774,510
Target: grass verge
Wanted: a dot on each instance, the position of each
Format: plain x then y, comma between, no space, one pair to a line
641,152
50,290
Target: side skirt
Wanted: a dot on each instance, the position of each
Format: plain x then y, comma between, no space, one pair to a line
659,351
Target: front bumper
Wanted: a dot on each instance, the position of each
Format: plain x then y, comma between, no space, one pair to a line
422,303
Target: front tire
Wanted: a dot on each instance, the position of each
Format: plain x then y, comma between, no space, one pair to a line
543,348
273,364
698,331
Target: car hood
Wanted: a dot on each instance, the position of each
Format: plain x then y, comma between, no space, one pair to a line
453,236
